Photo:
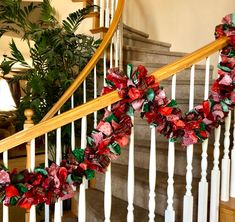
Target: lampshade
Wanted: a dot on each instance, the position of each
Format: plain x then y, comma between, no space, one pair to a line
7,102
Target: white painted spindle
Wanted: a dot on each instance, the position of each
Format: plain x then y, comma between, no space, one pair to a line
225,167
82,190
5,214
72,126
95,95
47,207
232,182
203,184
152,174
215,179
32,211
58,210
102,9
105,66
107,194
120,44
96,3
131,177
107,14
112,41
188,198
170,212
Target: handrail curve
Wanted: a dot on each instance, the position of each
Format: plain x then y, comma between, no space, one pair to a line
91,64
108,99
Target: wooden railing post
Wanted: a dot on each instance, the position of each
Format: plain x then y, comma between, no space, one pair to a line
28,124
29,159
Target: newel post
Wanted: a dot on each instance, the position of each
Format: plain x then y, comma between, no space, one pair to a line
28,123
30,215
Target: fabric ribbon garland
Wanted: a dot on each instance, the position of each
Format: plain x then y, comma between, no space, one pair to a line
140,93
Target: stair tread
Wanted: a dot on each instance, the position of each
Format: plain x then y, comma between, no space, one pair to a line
142,175
133,30
119,208
154,51
150,41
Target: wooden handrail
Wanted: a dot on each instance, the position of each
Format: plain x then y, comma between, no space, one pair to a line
90,65
108,99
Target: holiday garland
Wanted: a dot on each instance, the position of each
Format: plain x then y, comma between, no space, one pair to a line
140,93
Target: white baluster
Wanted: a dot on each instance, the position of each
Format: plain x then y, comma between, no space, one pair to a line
120,42
47,207
58,209
96,2
107,14
72,126
107,194
131,177
82,190
112,41
116,48
232,182
152,175
5,215
215,179
102,9
32,211
188,198
203,184
95,95
112,9
225,167
105,66
170,212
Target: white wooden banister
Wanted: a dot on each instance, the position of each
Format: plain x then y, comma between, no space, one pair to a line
5,214
188,198
102,11
152,174
72,127
225,167
82,189
232,182
58,204
170,212
131,177
215,179
47,207
107,194
203,184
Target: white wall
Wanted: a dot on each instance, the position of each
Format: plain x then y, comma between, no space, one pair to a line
187,24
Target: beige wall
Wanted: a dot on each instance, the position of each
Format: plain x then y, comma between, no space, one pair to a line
187,24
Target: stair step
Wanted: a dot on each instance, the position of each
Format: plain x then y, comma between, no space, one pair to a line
143,150
150,55
119,188
129,30
95,209
138,41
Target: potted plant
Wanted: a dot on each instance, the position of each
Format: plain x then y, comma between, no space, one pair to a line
57,51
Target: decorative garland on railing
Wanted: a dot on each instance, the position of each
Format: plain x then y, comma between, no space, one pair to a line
139,93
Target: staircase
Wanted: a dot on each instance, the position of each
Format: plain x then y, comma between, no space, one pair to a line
139,49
